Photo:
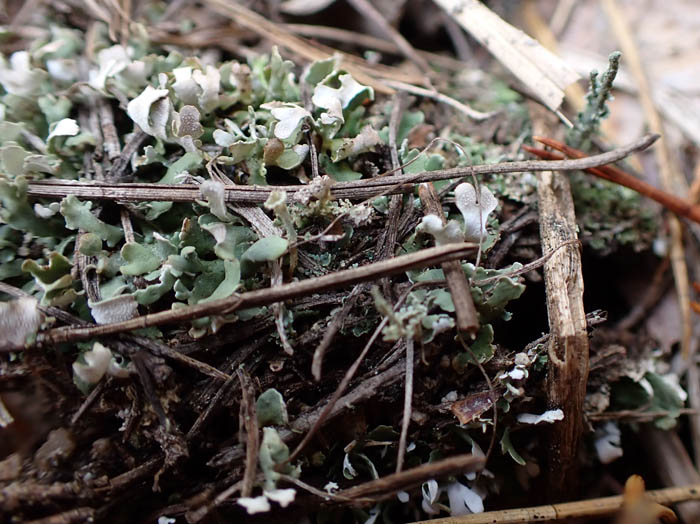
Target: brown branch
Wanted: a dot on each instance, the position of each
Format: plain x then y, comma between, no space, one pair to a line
260,297
325,412
248,431
109,130
368,41
672,179
84,514
211,406
121,162
568,342
386,486
315,418
386,243
359,189
155,347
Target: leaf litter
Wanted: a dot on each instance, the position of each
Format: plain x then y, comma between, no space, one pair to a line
149,417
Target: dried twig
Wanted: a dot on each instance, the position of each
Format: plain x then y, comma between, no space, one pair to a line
360,69
335,324
109,130
366,8
568,343
387,486
89,400
211,406
360,189
121,162
155,347
542,72
614,174
248,431
369,41
439,97
407,401
322,494
670,461
260,297
326,411
78,515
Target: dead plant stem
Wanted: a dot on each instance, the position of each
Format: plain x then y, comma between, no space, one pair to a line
407,401
260,297
356,190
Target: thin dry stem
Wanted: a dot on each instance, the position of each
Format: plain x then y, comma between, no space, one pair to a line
248,429
356,190
260,297
407,401
387,486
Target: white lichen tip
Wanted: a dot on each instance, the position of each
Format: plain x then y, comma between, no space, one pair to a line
65,127
276,200
19,319
95,366
290,118
443,234
215,193
464,500
151,111
475,213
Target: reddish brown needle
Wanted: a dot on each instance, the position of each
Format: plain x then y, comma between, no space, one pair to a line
614,174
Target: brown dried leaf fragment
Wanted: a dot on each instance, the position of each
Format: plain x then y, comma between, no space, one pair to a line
473,406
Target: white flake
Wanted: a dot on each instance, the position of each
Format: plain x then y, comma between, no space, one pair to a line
607,443
255,505
283,497
548,416
65,127
151,111
463,500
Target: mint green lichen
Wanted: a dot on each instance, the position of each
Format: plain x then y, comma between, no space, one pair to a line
78,216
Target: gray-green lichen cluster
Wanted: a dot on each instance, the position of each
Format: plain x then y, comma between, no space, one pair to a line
207,122
610,214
